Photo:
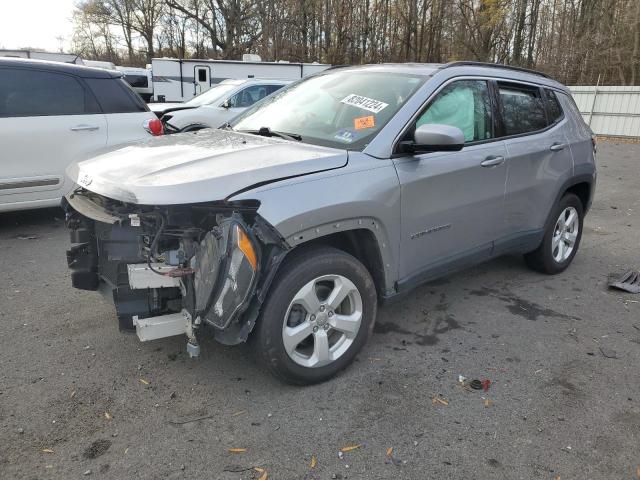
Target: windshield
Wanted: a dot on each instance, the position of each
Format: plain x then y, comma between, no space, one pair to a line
212,95
342,109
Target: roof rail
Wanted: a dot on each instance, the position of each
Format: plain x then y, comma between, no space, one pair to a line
470,63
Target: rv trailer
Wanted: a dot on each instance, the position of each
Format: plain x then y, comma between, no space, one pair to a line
179,80
37,55
140,80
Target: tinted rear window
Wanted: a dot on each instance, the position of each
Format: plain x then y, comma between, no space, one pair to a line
30,93
139,81
522,109
115,95
554,110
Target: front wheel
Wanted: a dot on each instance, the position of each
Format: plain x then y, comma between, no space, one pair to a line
318,316
562,237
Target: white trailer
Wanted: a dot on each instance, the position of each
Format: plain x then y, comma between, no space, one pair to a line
37,55
179,80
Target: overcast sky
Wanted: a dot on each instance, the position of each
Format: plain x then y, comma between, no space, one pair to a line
35,23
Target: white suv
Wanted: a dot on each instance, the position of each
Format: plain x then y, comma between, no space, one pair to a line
53,114
217,105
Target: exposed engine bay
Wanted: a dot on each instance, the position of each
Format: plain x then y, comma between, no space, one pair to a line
174,269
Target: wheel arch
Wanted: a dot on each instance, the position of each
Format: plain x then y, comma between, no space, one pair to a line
361,243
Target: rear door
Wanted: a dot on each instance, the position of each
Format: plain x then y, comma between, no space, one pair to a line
453,202
125,111
539,158
47,121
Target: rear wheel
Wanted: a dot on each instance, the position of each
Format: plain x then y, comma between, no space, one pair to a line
319,314
562,238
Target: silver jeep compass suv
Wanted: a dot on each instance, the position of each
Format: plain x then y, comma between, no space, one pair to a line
290,225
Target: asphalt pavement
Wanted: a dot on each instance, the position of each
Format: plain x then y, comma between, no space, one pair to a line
78,399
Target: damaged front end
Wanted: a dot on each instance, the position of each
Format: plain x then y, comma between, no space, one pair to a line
174,269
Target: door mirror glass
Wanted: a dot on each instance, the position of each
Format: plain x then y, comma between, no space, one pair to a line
435,137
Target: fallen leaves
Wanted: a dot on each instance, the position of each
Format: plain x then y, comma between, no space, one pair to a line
237,450
314,462
350,448
437,399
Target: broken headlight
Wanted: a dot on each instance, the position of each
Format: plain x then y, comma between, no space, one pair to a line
225,264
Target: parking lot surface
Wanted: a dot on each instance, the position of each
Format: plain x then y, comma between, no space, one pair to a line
79,399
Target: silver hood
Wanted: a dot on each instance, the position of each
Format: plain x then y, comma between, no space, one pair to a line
199,167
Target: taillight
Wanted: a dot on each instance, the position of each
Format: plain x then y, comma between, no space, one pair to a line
154,127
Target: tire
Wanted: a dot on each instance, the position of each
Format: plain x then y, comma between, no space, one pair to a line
318,271
548,258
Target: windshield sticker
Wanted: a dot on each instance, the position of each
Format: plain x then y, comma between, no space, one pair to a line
364,122
364,103
345,136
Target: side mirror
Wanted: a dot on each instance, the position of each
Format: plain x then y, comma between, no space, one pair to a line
434,137
226,104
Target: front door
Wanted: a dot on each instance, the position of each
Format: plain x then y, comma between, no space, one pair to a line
453,202
47,121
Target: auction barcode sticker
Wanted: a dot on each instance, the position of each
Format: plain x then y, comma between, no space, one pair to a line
365,103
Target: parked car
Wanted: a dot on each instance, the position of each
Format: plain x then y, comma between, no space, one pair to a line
53,114
217,105
341,191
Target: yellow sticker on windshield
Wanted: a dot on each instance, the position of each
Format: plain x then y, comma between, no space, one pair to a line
364,122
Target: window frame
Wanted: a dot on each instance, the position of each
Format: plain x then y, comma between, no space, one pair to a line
88,93
546,91
247,87
126,89
525,86
395,151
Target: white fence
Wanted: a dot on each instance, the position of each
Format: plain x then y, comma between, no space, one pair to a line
613,111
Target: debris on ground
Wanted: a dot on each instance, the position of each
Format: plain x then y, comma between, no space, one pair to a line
182,422
350,448
314,462
439,399
487,402
237,450
389,452
476,384
485,384
96,449
27,237
629,281
87,472
144,382
262,471
47,450
108,416
608,353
